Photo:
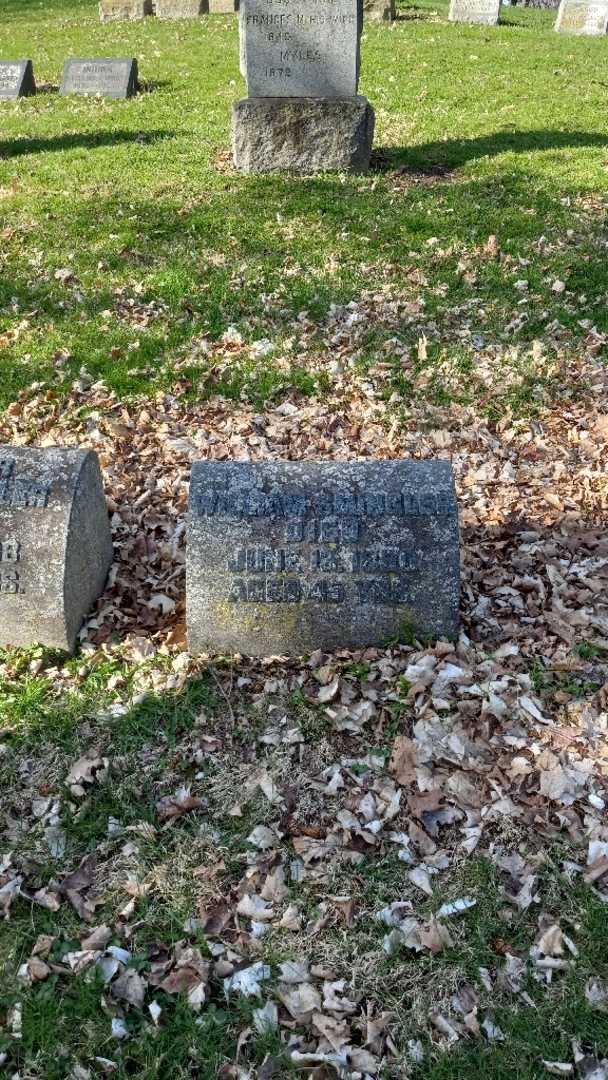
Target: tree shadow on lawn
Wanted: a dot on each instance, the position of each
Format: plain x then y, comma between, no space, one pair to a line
454,153
90,140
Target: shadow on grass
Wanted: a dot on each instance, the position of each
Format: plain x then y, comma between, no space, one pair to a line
454,153
78,140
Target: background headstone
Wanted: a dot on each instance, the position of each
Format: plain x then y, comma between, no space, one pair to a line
379,10
285,558
181,9
107,76
115,10
55,544
582,17
223,7
301,62
485,12
16,78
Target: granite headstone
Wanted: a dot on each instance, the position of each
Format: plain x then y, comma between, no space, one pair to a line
485,12
285,558
106,76
124,10
16,78
301,48
55,544
223,7
181,9
589,17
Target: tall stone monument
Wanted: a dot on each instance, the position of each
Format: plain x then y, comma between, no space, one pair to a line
55,544
303,113
582,17
286,558
485,12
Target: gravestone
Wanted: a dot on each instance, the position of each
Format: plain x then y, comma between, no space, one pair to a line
55,544
116,10
589,17
223,7
301,62
106,76
16,78
485,12
379,10
180,9
286,558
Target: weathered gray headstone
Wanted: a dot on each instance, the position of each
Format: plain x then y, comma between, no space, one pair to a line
180,9
106,76
301,48
223,7
116,10
124,10
301,62
485,12
379,10
16,78
582,17
285,558
55,544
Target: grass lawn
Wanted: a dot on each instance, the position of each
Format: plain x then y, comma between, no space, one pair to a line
167,824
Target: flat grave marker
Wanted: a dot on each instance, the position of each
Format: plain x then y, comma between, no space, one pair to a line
16,79
107,76
286,558
55,544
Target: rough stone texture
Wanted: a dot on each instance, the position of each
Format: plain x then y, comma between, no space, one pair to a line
285,558
582,17
55,544
124,10
223,7
475,11
107,76
300,48
379,10
16,78
303,135
181,9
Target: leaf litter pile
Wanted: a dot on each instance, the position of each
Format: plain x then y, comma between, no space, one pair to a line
309,823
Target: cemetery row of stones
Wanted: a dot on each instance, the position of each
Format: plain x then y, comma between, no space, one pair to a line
301,62
282,557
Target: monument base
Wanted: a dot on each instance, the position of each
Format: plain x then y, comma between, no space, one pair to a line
302,135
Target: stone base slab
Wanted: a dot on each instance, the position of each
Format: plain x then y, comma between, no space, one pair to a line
302,135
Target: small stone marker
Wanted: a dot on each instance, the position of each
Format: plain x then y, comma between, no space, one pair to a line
16,78
582,17
485,12
301,62
379,10
180,9
286,558
55,544
223,7
125,10
106,76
